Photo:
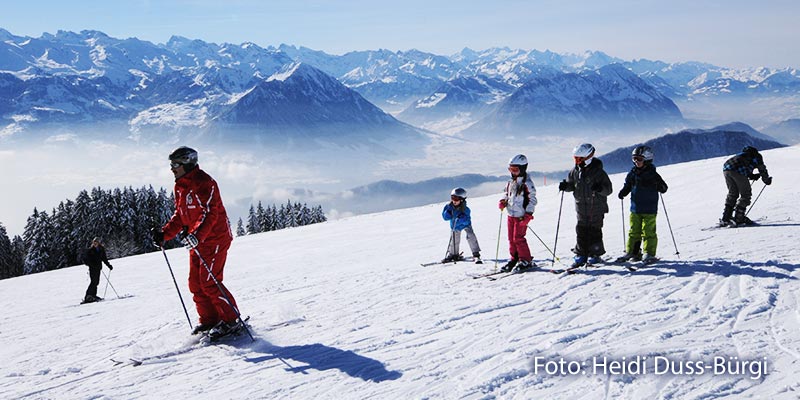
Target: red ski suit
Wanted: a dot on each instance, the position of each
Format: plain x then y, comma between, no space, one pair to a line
199,209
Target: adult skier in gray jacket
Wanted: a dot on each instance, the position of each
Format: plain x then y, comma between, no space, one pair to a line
590,186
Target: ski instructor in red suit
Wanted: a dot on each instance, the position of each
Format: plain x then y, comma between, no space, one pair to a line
201,223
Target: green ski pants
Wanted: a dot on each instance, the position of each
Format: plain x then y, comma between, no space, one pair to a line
642,232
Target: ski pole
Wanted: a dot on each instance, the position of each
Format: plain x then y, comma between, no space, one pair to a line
622,211
108,282
499,229
224,293
452,243
678,253
545,246
558,225
176,286
754,201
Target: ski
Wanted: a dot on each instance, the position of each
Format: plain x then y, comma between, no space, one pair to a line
466,259
490,274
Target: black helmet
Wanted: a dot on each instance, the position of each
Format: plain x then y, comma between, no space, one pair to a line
185,156
643,151
750,150
459,192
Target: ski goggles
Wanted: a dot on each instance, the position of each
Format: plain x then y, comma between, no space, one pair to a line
579,160
174,164
637,158
456,198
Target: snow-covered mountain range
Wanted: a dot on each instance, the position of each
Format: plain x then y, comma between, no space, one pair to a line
184,85
343,310
691,145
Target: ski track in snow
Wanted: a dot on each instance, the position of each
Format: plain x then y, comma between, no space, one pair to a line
343,310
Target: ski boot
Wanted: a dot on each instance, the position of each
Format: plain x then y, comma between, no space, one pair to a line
578,261
523,266
594,261
509,266
223,329
477,257
649,259
629,257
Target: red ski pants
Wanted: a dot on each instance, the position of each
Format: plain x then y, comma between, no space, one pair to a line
517,245
209,300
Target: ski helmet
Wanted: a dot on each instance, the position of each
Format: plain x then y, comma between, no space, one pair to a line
459,192
185,156
643,151
519,161
750,150
583,152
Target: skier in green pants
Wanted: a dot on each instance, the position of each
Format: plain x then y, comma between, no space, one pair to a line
644,184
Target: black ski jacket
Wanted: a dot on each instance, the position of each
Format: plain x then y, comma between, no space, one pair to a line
95,256
589,204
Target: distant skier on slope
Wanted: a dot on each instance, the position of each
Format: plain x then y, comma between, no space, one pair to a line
94,258
520,201
737,170
590,186
644,184
457,212
200,221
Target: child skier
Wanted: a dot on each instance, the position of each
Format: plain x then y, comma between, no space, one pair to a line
738,170
520,200
457,212
590,186
644,184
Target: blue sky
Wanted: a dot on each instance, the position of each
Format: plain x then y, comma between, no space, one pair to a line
733,33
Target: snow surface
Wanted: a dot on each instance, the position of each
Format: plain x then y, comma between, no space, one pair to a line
358,317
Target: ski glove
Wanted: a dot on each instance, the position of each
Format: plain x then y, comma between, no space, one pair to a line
563,185
767,180
753,177
502,204
621,195
526,218
158,236
189,241
110,267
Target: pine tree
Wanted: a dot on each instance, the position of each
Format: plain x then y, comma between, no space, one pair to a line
6,254
240,228
252,222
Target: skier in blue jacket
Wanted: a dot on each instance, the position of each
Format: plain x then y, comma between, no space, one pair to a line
644,185
457,212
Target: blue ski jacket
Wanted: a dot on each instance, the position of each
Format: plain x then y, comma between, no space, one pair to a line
461,213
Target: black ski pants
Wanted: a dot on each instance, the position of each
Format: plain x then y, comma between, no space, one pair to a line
739,194
590,235
94,277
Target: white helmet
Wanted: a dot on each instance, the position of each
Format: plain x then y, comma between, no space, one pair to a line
459,192
519,160
585,150
643,151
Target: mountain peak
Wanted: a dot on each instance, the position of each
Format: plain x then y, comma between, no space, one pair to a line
295,69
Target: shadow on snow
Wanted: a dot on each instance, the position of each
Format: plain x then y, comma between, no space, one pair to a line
320,357
716,267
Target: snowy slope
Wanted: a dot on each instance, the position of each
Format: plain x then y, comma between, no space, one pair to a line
366,321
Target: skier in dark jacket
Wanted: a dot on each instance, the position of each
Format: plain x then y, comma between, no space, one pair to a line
644,185
94,258
590,186
738,170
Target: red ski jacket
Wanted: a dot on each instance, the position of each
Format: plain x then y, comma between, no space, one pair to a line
198,207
